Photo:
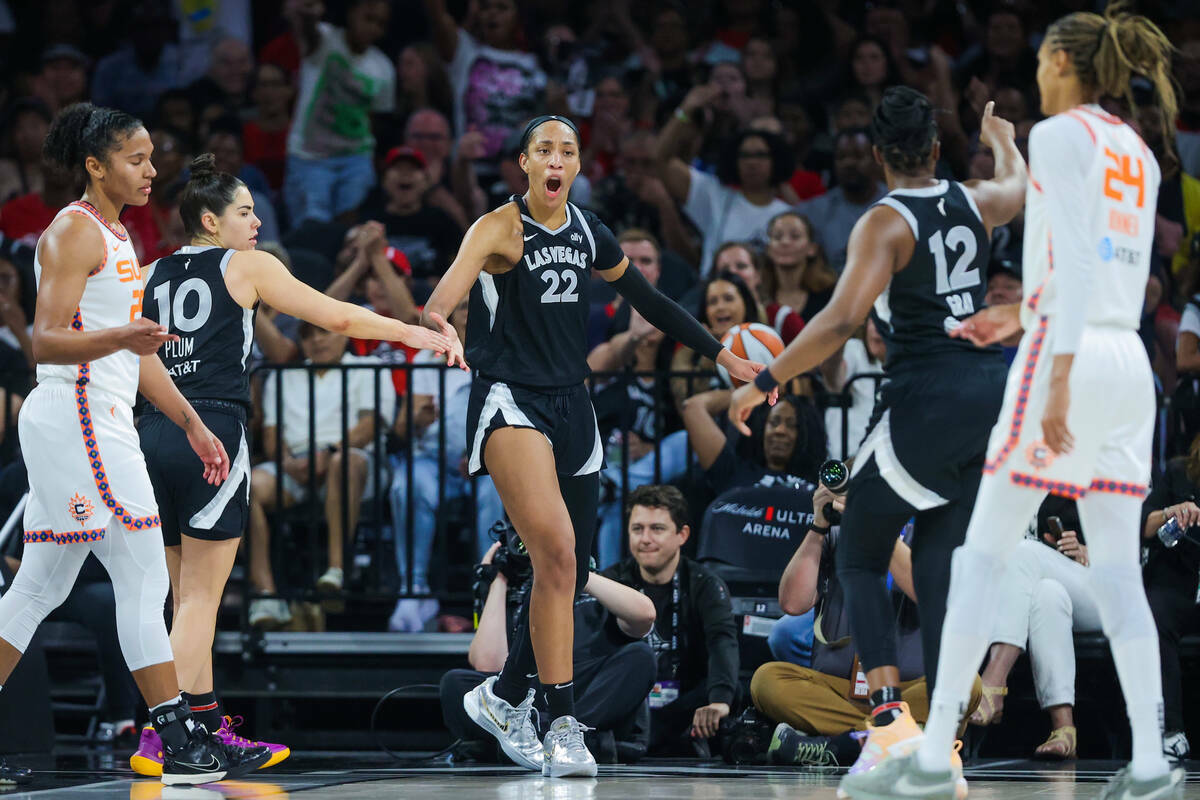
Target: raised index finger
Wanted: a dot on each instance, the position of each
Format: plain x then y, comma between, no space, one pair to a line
987,109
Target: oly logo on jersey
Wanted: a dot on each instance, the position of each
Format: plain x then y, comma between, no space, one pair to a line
556,256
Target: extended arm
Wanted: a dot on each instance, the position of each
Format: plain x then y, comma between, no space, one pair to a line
489,646
445,28
1003,197
707,438
634,611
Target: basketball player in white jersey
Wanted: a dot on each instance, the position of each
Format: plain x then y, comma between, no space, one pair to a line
88,486
1078,414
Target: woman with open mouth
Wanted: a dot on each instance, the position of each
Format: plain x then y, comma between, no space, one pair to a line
530,422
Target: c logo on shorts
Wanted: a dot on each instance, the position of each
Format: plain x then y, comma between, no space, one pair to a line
1039,455
80,508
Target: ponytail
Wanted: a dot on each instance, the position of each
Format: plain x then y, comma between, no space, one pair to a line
1107,51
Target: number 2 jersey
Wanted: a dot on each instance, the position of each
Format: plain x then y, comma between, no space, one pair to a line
945,280
1094,184
186,292
528,326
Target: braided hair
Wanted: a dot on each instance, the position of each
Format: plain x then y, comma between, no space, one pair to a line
1107,51
904,130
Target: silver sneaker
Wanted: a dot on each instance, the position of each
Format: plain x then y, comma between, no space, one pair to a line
512,727
1176,747
900,777
1122,786
565,754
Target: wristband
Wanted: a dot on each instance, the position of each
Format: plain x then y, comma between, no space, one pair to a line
823,530
765,381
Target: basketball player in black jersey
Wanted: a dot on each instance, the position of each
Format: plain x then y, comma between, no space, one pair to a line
530,423
919,256
206,294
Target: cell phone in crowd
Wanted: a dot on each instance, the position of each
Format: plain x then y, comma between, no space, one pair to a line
1056,528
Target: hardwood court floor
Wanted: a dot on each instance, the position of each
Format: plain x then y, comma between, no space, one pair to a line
370,776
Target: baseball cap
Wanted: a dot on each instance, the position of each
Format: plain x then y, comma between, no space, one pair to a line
56,52
1004,266
407,153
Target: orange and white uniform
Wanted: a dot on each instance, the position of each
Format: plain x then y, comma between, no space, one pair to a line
77,434
1089,229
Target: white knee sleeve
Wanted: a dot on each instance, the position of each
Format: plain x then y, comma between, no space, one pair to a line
137,564
46,577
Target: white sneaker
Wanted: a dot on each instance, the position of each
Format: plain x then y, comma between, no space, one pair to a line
513,727
1176,747
565,754
269,613
412,615
1122,786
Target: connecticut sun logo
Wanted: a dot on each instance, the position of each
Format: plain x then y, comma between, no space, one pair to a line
1039,455
80,508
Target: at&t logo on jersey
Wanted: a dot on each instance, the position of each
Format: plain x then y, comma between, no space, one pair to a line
80,508
556,256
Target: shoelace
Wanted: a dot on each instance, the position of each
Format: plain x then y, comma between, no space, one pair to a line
575,734
524,714
234,722
814,754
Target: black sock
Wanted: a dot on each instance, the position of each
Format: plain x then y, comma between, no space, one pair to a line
520,668
206,710
560,699
173,723
846,747
885,705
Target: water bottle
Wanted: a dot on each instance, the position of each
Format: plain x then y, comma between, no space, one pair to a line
1171,532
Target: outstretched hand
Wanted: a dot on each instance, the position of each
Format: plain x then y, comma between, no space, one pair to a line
454,347
993,324
212,453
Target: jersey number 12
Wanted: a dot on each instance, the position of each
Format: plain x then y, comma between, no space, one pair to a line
173,313
963,276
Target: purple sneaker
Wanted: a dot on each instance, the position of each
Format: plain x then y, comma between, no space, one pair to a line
278,751
149,756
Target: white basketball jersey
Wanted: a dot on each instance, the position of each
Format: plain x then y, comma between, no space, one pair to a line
112,297
1089,222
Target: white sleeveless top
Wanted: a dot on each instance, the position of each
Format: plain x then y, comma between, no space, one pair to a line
112,297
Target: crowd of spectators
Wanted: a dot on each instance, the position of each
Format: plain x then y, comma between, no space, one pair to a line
725,142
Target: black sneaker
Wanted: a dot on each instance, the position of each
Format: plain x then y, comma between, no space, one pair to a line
789,746
205,759
13,776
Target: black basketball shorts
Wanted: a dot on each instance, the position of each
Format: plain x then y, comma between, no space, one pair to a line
928,434
186,502
564,416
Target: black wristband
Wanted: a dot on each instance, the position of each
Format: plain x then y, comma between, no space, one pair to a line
823,530
765,381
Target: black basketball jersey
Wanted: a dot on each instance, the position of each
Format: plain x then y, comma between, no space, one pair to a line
186,292
945,280
528,326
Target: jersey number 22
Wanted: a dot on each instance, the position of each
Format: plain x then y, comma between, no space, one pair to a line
569,281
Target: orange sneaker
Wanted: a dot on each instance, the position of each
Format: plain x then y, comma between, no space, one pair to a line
899,738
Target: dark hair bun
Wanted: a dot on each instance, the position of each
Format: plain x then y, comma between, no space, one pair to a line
204,166
903,128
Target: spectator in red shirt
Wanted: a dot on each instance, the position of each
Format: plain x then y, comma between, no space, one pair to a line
796,274
741,260
26,216
264,137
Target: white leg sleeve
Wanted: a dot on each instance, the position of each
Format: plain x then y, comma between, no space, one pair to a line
1111,525
137,564
47,573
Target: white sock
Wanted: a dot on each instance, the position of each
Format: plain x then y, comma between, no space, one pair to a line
1141,682
177,699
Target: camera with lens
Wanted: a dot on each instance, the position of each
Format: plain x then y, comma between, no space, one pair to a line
512,559
745,739
834,475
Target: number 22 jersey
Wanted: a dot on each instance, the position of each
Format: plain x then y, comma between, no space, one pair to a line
528,326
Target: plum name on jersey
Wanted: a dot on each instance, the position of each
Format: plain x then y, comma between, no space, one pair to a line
558,254
181,349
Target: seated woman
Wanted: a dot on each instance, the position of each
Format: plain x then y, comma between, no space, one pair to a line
1045,598
725,303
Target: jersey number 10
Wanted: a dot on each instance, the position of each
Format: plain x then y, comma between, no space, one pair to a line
172,314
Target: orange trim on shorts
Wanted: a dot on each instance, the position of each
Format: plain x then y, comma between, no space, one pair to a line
1106,486
70,537
1061,488
130,522
1018,418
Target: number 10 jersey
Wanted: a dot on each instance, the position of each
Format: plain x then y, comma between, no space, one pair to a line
528,326
186,292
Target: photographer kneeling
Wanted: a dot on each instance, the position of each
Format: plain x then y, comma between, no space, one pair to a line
614,667
823,710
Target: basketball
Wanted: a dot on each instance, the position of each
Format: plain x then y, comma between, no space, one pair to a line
752,341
